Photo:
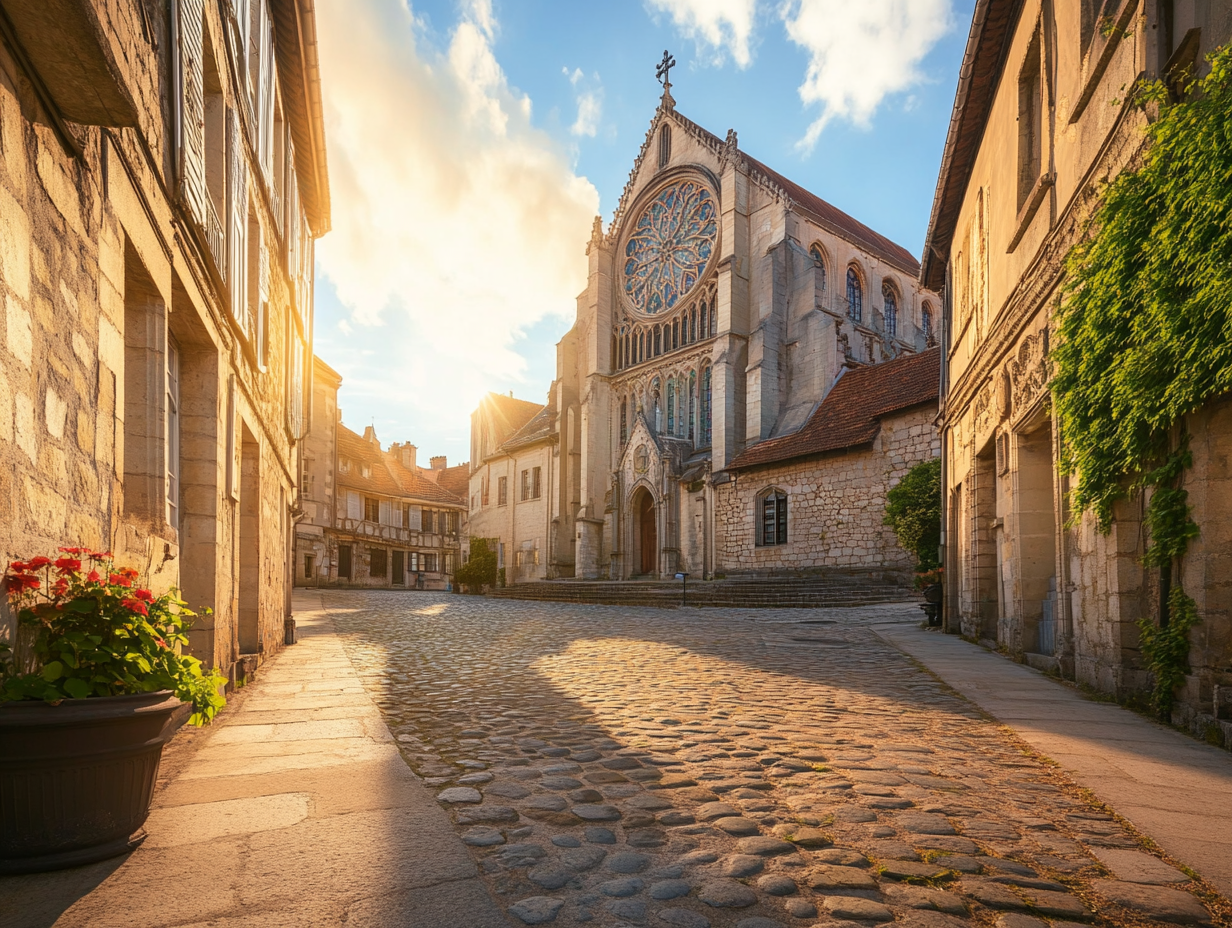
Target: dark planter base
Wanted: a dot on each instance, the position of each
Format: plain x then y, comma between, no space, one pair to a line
77,858
76,779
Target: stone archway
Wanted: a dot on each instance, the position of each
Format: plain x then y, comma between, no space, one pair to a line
645,533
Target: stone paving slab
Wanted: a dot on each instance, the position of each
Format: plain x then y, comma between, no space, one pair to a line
295,809
1171,787
734,768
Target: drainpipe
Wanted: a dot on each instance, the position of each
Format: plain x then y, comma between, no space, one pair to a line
948,607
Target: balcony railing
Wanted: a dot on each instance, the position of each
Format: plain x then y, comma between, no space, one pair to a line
392,533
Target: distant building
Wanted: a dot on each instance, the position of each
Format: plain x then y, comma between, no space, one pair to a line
164,179
512,460
372,517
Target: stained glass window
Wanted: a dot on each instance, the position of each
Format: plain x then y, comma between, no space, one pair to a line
819,262
658,339
891,309
855,295
692,403
671,407
670,246
706,408
676,334
705,319
926,318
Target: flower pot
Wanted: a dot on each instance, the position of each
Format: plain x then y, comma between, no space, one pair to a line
76,779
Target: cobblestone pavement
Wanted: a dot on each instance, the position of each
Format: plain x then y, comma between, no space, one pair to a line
737,769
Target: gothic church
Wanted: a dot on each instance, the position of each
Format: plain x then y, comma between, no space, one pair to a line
695,428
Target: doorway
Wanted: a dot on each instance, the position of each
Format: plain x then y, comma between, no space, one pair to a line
647,533
250,546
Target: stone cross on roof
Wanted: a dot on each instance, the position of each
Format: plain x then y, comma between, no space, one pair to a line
662,72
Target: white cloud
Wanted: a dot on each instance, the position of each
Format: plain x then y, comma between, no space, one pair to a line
720,27
456,223
589,95
860,51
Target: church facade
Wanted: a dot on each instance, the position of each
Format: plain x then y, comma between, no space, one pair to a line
723,304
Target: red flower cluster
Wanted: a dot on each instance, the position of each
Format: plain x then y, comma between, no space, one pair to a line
135,605
17,583
21,577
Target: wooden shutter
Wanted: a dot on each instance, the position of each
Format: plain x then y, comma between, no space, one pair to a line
781,520
355,506
265,98
415,520
385,517
237,222
192,110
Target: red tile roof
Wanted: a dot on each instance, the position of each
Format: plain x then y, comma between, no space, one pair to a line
851,413
509,414
418,486
537,429
386,475
456,479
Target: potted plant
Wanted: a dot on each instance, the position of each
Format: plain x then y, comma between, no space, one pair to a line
92,686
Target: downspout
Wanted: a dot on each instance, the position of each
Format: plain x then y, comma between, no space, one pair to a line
947,607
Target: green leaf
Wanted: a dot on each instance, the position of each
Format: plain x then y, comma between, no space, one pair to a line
77,688
53,671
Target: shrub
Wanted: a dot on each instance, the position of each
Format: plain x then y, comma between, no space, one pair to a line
913,511
480,570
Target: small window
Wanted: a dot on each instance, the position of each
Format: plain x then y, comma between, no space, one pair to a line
379,559
425,524
891,309
344,562
372,509
502,491
926,324
1030,129
624,421
344,466
665,146
429,562
855,295
525,484
536,482
308,566
819,262
772,518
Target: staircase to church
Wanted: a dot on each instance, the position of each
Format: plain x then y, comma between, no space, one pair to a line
813,591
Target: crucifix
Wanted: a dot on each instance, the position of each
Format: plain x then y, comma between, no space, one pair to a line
665,66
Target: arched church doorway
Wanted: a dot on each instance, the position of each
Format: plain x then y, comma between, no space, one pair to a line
646,531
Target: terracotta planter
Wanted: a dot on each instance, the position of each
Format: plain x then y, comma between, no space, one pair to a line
76,779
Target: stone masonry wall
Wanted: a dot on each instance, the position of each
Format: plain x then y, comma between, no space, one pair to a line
835,504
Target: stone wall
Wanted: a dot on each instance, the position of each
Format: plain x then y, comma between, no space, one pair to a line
835,504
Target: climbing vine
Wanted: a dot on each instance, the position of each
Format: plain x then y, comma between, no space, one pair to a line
1146,339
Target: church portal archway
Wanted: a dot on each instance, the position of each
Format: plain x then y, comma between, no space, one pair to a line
645,530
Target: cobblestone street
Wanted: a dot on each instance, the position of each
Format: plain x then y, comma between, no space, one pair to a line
752,768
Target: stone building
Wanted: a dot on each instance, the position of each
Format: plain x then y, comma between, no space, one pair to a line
370,517
817,497
723,303
513,458
1042,117
162,181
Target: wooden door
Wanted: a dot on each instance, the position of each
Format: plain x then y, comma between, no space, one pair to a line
649,541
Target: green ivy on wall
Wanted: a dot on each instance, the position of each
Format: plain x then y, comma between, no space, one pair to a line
1146,339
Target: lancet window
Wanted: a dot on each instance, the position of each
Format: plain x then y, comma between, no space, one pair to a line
624,420
855,295
692,404
671,407
706,407
891,309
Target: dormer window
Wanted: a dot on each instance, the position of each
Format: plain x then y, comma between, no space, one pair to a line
344,466
367,471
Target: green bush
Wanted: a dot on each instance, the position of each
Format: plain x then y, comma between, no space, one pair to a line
480,570
913,510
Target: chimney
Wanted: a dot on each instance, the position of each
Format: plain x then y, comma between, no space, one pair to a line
370,435
438,462
408,456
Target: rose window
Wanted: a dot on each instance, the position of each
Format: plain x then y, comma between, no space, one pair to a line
669,247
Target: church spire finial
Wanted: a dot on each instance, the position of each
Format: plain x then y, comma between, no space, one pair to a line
663,75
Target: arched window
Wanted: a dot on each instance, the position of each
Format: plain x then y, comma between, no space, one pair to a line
671,406
658,342
675,334
625,358
855,295
705,319
641,346
772,517
714,320
693,326
624,420
891,309
819,262
656,407
926,324
705,443
692,404
665,145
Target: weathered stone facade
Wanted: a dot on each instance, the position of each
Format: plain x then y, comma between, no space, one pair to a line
372,518
687,351
1043,117
836,503
152,374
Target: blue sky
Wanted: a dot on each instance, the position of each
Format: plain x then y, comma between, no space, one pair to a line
471,144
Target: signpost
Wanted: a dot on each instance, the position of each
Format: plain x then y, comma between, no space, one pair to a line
684,588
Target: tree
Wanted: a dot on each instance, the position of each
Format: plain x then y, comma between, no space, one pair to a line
480,570
913,510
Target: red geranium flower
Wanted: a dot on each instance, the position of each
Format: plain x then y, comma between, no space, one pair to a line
143,594
94,576
161,642
99,555
135,605
68,563
72,550
119,580
60,587
36,563
128,572
17,584
19,566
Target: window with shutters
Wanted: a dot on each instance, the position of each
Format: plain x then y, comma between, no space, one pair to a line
354,506
279,192
536,482
428,520
378,566
255,311
237,224
191,108
215,154
414,518
386,512
772,517
502,491
372,509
